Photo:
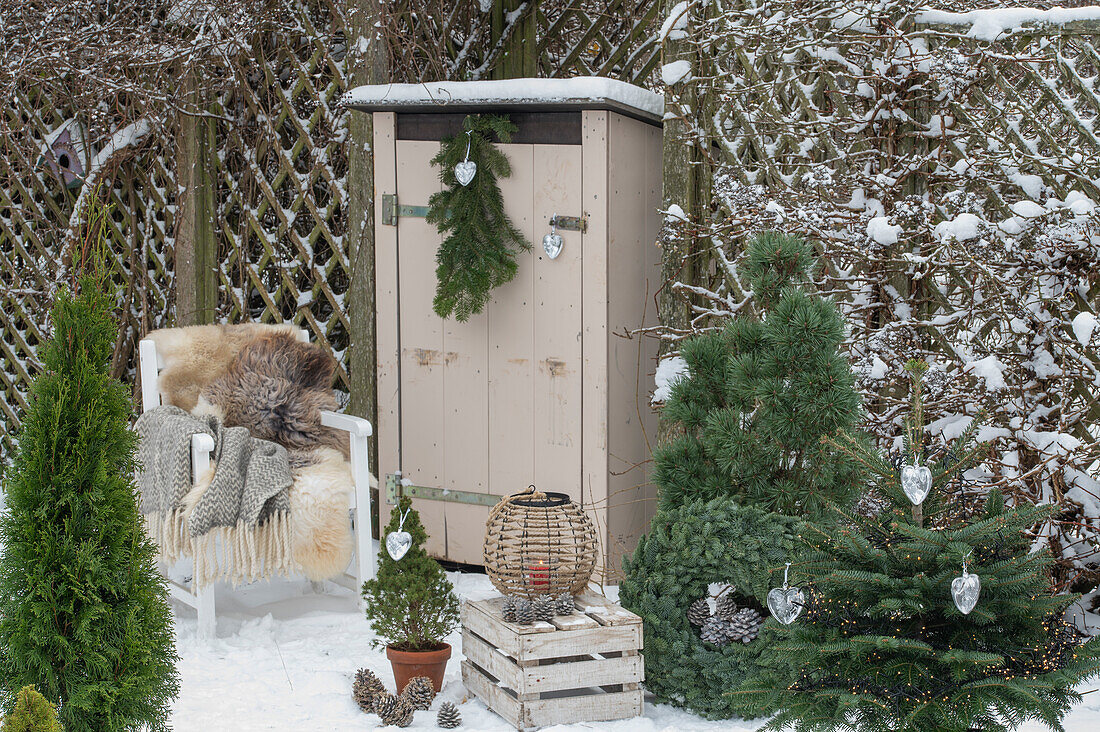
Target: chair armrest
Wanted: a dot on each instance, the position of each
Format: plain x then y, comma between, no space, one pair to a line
357,426
202,445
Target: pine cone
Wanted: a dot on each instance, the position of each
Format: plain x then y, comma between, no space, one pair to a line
508,610
525,613
448,717
745,625
699,612
366,688
564,605
419,692
543,607
716,631
725,607
393,710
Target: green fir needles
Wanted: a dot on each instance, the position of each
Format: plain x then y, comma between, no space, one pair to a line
881,644
480,243
411,604
83,612
759,396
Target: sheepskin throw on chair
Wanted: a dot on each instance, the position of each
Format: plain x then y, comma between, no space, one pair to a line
276,497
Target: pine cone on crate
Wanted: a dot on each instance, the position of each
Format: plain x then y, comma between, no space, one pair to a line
366,688
448,716
699,612
525,612
725,608
564,605
716,631
419,692
543,607
508,610
745,625
393,710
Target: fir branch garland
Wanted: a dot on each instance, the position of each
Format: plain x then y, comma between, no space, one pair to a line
478,252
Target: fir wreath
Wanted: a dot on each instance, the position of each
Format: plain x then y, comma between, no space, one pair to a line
689,547
478,252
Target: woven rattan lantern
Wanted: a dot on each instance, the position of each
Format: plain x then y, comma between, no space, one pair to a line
539,544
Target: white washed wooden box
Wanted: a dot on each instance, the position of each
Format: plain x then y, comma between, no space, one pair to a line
585,667
546,386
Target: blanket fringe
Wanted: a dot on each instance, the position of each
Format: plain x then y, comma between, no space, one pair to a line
235,554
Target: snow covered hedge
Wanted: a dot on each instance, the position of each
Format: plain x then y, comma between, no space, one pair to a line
947,167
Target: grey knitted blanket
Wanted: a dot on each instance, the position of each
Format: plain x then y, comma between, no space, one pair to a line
244,501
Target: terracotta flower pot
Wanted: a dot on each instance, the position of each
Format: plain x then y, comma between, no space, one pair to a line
409,664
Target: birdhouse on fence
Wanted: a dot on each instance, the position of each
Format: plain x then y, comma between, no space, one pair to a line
64,153
549,385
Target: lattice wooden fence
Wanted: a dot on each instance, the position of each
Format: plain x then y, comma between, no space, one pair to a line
278,168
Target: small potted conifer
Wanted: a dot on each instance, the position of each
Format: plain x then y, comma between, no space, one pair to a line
411,604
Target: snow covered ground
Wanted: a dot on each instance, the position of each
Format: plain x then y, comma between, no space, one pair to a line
284,659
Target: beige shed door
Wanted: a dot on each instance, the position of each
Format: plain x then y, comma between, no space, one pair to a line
494,404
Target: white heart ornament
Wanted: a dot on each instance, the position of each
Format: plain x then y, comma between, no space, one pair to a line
464,171
785,604
965,591
552,244
916,481
398,543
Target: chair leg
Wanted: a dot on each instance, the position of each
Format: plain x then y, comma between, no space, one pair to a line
204,604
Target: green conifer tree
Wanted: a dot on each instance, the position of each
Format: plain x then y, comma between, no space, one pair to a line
411,604
479,250
749,417
83,611
32,713
881,644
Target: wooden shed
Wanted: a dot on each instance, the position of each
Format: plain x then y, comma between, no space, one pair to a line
549,385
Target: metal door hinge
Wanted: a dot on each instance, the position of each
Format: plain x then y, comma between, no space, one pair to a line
570,223
395,489
391,211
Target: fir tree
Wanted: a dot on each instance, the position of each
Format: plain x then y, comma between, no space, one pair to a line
479,251
32,713
749,417
83,611
881,644
411,604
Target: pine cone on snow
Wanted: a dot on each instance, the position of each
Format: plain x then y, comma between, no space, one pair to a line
366,688
525,612
543,607
508,610
448,717
699,612
419,692
393,710
745,625
725,607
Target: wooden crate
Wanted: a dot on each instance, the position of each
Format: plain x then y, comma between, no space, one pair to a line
584,667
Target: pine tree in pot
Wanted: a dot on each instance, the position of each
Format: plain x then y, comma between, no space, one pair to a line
411,604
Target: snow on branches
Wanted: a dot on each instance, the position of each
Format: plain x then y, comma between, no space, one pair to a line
951,183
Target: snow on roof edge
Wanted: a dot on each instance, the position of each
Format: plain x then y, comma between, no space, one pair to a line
989,24
577,91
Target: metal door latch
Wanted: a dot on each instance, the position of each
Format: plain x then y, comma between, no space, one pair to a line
570,223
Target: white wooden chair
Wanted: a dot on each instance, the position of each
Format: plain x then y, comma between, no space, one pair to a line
362,566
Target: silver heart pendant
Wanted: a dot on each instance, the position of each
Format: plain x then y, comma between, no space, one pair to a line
398,543
464,171
785,604
965,591
552,244
916,481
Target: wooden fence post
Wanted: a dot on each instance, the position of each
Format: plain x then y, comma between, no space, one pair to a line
371,66
196,248
519,59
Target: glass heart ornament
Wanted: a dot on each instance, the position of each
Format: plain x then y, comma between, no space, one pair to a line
398,543
552,244
916,482
965,591
464,171
786,603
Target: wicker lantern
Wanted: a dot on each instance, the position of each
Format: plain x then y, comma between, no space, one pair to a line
539,544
